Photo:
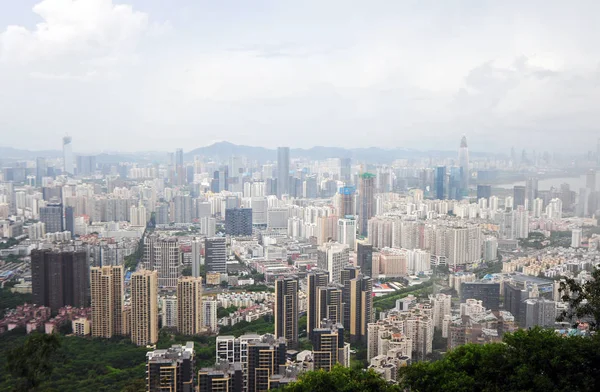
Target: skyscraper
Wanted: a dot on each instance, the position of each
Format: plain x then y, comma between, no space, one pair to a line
283,170
238,221
484,191
328,346
348,273
264,360
52,217
70,220
215,255
189,305
333,257
531,191
180,174
68,155
86,165
330,305
519,196
590,180
364,257
346,170
463,161
171,369
347,196
286,310
440,181
346,233
367,201
162,254
314,280
41,170
144,307
60,277
361,307
106,285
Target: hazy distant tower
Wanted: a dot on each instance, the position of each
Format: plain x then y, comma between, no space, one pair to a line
67,155
283,170
463,161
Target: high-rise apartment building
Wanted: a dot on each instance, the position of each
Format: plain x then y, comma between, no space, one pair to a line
286,310
314,279
348,273
238,221
367,201
68,155
361,307
328,346
283,171
52,216
264,360
531,191
333,257
189,305
183,211
144,307
346,200
171,369
162,254
330,304
209,315
196,256
106,288
60,277
168,311
215,255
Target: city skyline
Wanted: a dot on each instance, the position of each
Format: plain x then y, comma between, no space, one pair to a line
265,78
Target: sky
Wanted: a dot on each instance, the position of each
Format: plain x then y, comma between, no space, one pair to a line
162,74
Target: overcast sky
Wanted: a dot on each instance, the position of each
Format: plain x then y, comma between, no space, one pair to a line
162,74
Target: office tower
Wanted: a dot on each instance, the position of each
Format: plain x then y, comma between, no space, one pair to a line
283,171
106,288
171,369
238,221
60,277
346,200
361,307
531,191
328,345
518,196
68,155
168,311
209,315
576,235
346,234
346,170
440,181
463,161
189,305
286,310
215,257
86,165
348,273
41,170
52,217
196,256
162,254
367,201
183,209
364,257
590,180
264,361
333,257
314,279
488,293
70,220
144,307
484,191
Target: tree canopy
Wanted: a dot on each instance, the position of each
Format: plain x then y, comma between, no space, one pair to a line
341,379
583,301
527,360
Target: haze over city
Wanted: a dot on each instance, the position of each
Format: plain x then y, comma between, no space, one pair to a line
152,75
299,196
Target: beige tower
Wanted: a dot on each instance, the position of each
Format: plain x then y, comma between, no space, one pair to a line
144,307
189,305
106,289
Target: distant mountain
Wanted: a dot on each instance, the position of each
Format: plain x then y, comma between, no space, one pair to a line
223,150
13,154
